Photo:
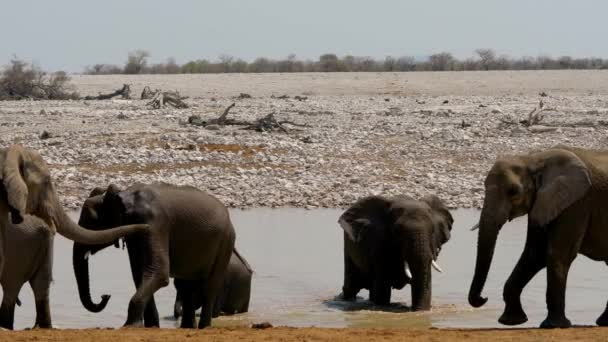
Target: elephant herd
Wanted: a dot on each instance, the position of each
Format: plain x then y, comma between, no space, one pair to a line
184,233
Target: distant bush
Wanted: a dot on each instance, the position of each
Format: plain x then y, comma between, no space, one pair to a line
485,59
103,69
20,80
137,62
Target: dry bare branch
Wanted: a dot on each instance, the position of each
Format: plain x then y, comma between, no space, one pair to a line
124,92
163,98
148,94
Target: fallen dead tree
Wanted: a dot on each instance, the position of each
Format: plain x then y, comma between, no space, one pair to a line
535,116
124,93
270,123
148,94
164,98
267,123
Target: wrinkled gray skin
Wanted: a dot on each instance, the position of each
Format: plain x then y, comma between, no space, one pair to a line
26,187
564,192
235,293
191,237
381,235
31,244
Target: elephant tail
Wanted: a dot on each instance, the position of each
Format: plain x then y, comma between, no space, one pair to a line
242,259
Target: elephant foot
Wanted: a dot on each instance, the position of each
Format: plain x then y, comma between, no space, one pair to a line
514,314
188,323
42,326
513,319
348,293
345,297
421,307
602,321
137,324
552,323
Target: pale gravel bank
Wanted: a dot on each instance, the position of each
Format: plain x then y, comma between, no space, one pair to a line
369,133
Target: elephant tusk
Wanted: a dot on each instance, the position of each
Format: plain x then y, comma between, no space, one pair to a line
347,228
86,255
436,266
475,227
408,272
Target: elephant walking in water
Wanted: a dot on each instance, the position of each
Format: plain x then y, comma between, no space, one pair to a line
564,192
26,187
191,237
390,242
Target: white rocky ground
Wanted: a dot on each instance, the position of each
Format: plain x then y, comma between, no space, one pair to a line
375,140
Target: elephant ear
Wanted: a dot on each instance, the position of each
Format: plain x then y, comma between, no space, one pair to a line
112,203
137,204
13,179
364,214
440,216
97,191
561,178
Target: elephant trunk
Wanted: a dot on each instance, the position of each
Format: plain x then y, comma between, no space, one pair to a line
81,270
490,223
71,230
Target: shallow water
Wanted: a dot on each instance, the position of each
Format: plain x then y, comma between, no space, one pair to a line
297,258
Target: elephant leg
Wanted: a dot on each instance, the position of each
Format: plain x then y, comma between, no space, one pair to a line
134,248
185,290
220,302
155,276
352,283
40,287
151,319
602,321
41,283
557,276
531,261
380,292
7,309
177,307
212,286
563,246
210,290
151,282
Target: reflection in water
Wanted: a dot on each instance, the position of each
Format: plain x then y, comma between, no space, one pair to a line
298,262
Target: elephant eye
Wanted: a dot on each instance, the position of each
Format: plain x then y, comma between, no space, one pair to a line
513,191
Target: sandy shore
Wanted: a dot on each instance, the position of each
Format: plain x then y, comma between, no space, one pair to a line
307,334
367,133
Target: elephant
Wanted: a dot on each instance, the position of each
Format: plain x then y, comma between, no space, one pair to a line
26,188
564,191
31,243
390,242
191,237
235,293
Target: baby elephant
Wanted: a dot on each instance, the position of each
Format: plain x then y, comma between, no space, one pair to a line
234,295
390,242
29,258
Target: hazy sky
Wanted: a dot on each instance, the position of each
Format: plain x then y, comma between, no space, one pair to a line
70,34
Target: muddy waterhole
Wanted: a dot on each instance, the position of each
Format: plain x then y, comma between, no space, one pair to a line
298,262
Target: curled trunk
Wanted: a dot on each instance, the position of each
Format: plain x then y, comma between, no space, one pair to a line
81,270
